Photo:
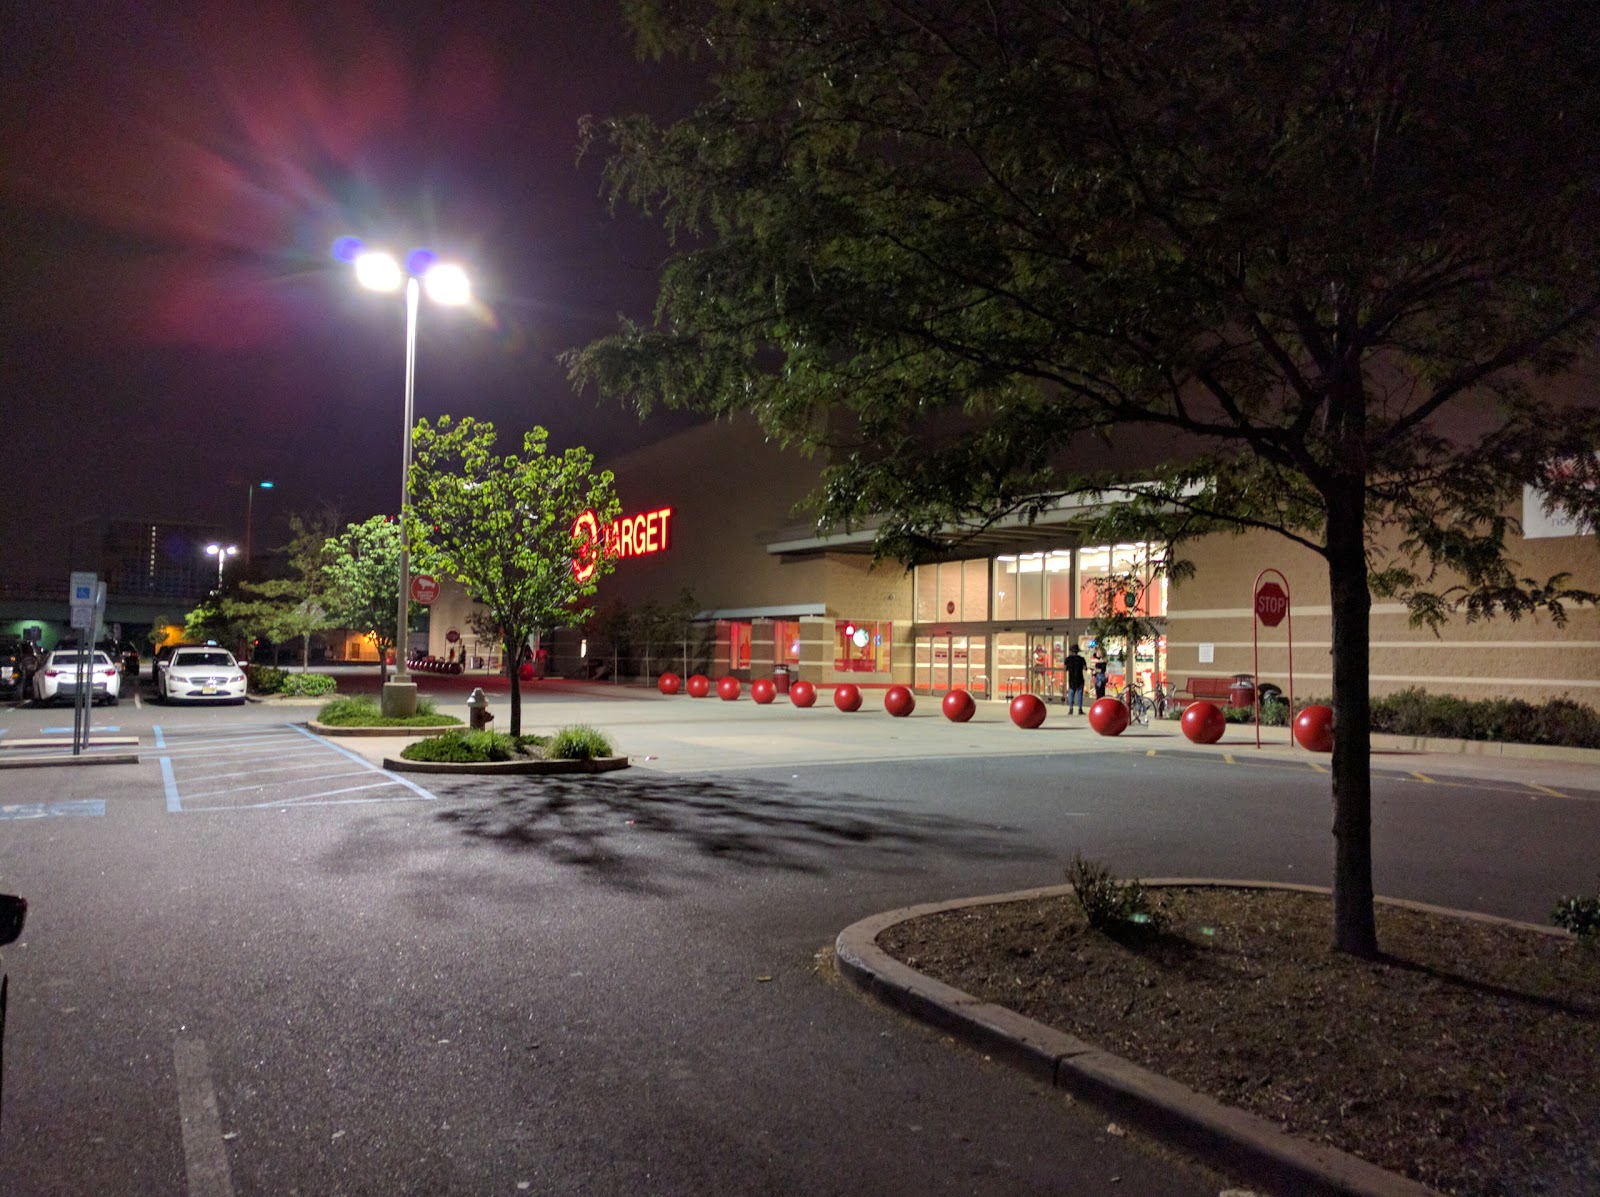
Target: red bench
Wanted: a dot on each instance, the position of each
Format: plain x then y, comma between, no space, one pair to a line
1196,688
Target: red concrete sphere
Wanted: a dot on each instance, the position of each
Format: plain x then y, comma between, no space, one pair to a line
728,688
898,701
698,685
1203,723
802,694
1109,716
958,706
525,672
669,683
762,690
1027,710
847,697
1313,729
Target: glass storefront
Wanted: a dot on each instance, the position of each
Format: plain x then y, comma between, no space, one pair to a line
952,662
862,646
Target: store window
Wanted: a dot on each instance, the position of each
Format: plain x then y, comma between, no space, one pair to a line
952,591
862,647
1122,560
737,632
786,642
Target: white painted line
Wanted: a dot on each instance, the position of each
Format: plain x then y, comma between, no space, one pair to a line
317,764
204,1156
363,761
252,789
307,800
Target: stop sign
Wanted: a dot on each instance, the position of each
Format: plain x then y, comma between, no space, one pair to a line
424,588
1272,604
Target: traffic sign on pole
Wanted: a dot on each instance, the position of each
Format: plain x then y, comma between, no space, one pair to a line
1272,604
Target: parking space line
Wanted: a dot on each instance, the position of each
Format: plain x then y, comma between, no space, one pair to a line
361,760
50,810
306,799
260,772
174,807
248,789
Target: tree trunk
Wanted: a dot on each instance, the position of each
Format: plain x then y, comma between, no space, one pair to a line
1354,928
514,668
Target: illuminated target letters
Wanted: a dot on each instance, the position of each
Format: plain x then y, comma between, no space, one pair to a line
625,536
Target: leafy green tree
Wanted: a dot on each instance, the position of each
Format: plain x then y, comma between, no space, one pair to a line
363,570
300,603
503,526
1117,624
1316,254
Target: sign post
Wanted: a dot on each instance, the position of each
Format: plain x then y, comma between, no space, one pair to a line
1270,606
86,596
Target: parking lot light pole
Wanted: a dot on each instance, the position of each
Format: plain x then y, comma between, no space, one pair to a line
221,552
445,284
249,515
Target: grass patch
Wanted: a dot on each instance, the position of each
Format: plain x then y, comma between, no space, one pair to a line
579,742
473,747
358,710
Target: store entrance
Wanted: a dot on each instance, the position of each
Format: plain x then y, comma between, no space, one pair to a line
951,662
1047,665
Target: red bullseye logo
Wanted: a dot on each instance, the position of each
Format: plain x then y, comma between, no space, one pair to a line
586,531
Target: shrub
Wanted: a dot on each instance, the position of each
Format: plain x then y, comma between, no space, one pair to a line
579,742
308,685
264,679
1415,712
1111,905
464,747
360,710
1579,915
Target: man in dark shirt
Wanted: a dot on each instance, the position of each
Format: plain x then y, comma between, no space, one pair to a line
1075,667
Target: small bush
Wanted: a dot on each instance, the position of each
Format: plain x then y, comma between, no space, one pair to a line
1417,713
1111,905
359,710
264,679
578,743
307,685
1579,915
463,747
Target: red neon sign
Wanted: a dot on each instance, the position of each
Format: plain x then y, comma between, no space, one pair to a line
626,536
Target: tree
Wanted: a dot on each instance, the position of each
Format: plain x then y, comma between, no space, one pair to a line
364,571
505,528
1315,257
1118,625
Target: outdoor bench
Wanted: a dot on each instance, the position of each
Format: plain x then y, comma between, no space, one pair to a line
1196,688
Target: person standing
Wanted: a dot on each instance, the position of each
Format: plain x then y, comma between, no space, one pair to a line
1075,670
1099,674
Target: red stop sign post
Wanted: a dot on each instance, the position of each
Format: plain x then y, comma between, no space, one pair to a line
424,588
1270,606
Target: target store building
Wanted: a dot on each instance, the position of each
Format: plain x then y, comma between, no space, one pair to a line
714,516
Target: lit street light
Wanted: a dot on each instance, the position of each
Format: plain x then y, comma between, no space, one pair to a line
221,553
249,515
445,284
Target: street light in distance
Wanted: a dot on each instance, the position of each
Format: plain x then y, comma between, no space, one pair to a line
221,552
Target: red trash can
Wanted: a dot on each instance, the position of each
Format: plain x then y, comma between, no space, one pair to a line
1242,694
780,678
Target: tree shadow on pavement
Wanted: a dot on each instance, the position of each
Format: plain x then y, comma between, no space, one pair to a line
637,831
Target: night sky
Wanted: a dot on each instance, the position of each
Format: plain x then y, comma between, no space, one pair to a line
170,185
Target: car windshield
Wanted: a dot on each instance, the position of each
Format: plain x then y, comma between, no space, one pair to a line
216,657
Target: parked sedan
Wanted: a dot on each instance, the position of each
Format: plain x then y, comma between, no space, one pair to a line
57,679
205,674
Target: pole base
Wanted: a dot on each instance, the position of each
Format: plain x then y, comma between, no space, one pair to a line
399,700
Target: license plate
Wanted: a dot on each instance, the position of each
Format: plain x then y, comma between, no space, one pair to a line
208,689
5,673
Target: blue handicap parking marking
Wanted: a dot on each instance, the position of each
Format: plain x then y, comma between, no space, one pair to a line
271,766
67,731
51,810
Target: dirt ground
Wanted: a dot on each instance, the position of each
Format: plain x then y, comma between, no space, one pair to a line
1467,1058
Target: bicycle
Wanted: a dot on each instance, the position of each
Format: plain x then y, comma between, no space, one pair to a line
1140,708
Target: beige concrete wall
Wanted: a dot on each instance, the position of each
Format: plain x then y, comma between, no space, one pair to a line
1531,658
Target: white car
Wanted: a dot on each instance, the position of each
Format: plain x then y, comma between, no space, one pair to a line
57,679
201,674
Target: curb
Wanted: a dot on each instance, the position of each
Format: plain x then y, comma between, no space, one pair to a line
1238,1143
603,764
85,758
323,729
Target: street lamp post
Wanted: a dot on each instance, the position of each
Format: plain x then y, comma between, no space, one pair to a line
446,284
221,552
249,515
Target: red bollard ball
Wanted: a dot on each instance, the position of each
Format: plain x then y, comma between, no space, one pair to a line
802,694
898,701
525,672
1313,729
847,697
1108,716
698,685
669,683
1203,722
958,706
762,690
728,688
1027,710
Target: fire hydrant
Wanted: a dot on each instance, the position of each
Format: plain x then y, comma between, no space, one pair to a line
478,713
